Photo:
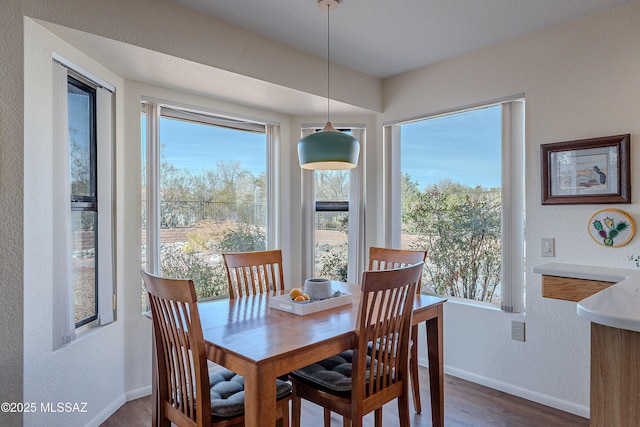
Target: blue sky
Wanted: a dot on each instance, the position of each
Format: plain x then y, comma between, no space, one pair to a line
199,147
463,147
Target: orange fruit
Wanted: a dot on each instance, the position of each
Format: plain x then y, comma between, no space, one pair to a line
306,297
299,298
295,292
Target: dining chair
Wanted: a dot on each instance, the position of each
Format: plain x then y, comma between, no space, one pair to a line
384,259
356,382
186,393
251,273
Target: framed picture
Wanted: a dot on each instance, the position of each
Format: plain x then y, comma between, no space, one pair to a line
587,171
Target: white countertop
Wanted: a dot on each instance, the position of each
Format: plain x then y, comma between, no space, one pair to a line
617,306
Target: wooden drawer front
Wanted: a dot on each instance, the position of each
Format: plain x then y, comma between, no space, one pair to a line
571,289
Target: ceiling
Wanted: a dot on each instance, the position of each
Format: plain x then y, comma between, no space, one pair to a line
383,38
380,38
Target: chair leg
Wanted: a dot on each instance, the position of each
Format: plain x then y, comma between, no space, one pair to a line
378,417
403,410
413,370
296,403
327,418
284,421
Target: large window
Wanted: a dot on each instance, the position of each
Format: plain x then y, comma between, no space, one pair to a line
204,193
84,292
461,186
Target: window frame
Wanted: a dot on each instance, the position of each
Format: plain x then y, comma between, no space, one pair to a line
100,201
88,203
512,189
154,109
355,242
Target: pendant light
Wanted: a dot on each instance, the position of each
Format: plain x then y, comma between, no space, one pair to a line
328,149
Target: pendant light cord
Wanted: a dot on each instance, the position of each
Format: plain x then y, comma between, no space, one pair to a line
328,73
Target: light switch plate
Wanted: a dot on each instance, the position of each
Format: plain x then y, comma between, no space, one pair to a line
548,247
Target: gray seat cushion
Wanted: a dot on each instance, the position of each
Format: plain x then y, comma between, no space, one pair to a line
227,393
333,373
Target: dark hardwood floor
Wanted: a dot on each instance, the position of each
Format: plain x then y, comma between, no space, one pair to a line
466,404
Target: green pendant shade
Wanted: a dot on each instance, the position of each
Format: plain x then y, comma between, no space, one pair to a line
328,149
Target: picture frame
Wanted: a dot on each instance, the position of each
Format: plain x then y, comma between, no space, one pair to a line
586,171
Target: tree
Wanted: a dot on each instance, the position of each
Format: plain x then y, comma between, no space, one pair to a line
332,185
188,200
459,227
176,184
231,178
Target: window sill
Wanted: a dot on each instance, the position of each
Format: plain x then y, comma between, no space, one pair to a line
468,302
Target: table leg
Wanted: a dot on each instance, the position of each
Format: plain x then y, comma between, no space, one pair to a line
436,368
259,396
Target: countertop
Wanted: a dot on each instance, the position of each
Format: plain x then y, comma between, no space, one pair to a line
617,306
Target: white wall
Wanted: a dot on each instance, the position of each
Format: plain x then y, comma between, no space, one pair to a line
164,26
90,369
11,207
580,80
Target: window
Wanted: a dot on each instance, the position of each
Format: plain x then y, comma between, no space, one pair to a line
83,134
460,185
205,192
331,224
84,201
334,218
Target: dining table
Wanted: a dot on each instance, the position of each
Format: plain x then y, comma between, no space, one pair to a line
262,343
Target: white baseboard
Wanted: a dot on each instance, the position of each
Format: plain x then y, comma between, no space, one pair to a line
117,403
544,399
138,393
106,412
534,396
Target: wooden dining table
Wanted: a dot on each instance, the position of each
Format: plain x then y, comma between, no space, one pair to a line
263,343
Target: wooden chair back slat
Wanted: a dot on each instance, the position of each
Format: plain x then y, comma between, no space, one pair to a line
254,273
183,378
387,258
384,318
379,362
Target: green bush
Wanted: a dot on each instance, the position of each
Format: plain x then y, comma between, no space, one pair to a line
193,259
243,238
180,262
333,263
459,227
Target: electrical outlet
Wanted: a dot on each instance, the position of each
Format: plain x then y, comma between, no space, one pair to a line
517,330
548,247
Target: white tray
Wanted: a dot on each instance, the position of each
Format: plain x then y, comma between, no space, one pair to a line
284,303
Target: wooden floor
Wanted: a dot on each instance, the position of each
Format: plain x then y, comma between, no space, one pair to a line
466,404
